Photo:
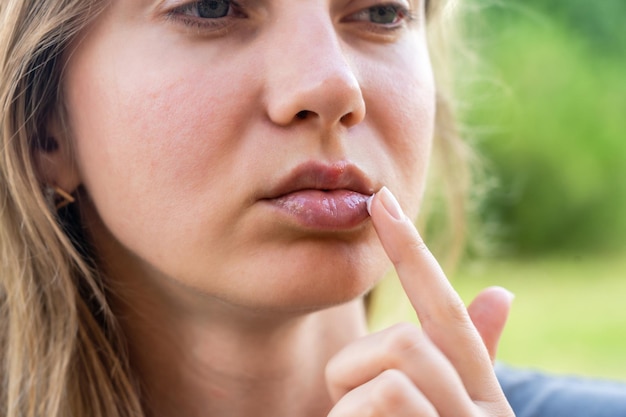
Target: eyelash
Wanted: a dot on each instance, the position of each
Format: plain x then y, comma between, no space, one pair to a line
405,16
185,14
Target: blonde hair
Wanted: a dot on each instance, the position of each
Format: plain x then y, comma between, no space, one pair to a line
443,216
61,351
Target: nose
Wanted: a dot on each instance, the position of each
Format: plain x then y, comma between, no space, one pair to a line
309,74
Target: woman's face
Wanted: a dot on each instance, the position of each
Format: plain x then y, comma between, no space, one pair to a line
229,146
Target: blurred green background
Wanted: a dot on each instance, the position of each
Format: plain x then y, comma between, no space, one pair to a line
547,110
555,138
553,94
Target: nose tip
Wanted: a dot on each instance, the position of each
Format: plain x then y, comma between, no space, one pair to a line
314,81
330,100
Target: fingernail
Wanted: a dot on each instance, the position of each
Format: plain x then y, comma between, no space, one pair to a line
368,203
390,203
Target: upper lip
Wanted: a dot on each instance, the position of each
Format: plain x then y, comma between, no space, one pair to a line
315,175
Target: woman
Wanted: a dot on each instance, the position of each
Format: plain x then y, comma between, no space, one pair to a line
186,223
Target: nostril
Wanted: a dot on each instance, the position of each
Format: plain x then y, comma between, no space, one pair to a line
348,119
302,114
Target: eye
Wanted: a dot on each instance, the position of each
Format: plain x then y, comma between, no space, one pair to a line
390,15
208,10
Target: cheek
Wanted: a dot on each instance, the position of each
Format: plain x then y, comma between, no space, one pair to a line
154,138
401,98
151,128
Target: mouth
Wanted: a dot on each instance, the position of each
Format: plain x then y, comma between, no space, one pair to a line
325,197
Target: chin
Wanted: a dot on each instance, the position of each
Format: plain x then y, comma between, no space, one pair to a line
315,281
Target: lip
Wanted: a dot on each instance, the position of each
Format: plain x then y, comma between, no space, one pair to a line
322,196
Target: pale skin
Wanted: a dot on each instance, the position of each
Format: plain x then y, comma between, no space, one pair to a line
232,305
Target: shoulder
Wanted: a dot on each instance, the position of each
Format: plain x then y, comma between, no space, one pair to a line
536,394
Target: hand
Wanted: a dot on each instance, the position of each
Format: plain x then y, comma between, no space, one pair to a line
443,369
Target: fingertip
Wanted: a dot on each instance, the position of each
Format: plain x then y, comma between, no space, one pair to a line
500,293
493,302
489,312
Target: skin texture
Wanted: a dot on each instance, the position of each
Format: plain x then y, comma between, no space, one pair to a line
181,128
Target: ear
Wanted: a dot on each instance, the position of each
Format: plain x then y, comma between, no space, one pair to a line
54,159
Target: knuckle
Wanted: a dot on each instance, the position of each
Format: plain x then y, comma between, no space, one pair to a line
391,392
455,309
448,310
333,369
404,336
418,245
411,247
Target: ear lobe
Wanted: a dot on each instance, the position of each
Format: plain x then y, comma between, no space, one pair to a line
55,165
54,160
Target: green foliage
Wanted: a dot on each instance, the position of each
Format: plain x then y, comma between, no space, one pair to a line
557,141
601,22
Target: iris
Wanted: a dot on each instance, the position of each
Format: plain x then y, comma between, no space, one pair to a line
213,9
384,14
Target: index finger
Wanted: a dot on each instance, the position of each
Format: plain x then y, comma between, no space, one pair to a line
439,308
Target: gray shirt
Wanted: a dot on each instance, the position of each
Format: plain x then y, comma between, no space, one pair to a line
536,394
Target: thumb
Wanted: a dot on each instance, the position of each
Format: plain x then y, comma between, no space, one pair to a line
489,312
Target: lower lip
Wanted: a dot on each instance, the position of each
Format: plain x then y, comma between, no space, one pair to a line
324,210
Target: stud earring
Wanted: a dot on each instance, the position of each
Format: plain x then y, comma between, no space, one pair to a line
58,197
